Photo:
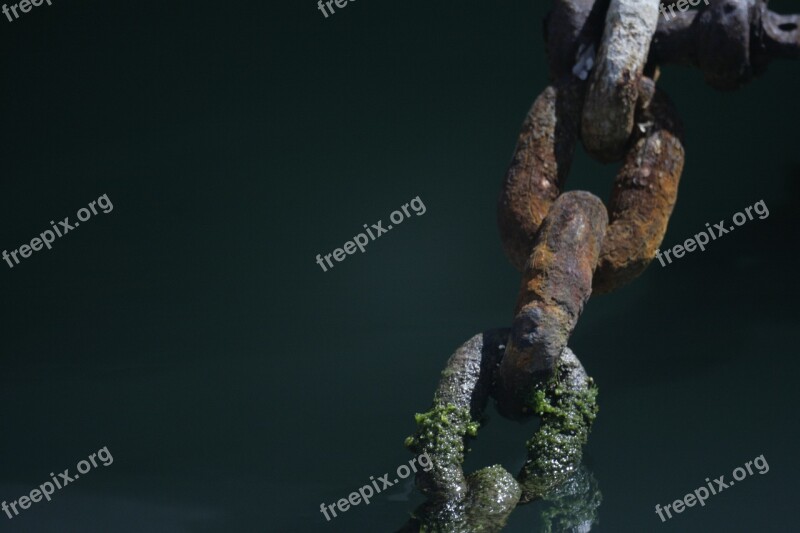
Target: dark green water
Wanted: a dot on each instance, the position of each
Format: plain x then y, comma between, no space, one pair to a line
238,386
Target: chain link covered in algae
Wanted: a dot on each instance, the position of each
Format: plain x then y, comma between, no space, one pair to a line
482,501
567,406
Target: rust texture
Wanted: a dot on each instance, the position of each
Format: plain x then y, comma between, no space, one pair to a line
538,168
644,194
569,245
556,283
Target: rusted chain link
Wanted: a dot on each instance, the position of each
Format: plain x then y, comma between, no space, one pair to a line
568,245
613,91
731,42
642,199
643,196
556,283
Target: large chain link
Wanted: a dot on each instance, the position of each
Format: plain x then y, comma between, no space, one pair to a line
568,245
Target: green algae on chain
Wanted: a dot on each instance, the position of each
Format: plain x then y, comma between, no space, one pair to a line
441,433
440,423
567,405
458,404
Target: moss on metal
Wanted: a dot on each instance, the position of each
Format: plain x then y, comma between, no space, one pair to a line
567,406
441,433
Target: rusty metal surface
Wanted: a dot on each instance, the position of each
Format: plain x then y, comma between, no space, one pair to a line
644,194
538,169
731,42
556,283
568,244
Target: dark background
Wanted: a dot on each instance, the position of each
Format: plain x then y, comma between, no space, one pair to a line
238,386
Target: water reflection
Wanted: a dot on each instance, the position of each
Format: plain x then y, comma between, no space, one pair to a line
493,494
573,507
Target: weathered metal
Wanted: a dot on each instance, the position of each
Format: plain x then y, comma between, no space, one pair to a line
610,104
566,403
569,245
483,500
459,401
538,169
730,41
643,196
556,283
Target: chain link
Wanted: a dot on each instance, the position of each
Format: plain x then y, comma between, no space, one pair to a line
568,245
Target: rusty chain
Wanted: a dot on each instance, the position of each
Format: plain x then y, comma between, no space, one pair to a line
603,60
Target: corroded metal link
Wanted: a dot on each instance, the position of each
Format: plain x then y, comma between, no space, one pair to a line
458,502
642,199
717,40
458,404
538,168
556,284
568,245
731,42
567,406
483,500
611,98
644,194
